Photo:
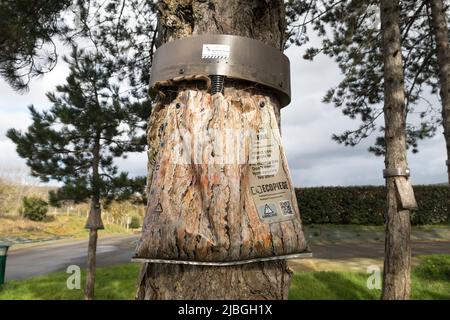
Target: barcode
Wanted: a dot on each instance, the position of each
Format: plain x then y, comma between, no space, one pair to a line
286,207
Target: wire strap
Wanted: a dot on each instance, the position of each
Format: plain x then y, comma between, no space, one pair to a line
225,263
396,172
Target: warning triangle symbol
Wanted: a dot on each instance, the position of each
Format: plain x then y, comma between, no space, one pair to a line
268,210
158,208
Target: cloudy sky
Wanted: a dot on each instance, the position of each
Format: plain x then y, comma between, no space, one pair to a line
307,125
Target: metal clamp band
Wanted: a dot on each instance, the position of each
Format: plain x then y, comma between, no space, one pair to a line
225,55
396,172
224,263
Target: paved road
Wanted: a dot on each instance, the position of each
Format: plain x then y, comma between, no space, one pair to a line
46,258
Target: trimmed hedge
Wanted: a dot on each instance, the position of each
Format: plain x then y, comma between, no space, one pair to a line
366,205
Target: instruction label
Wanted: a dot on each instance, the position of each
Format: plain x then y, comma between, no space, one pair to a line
216,51
269,184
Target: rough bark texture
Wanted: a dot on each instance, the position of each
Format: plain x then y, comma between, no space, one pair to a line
440,27
397,261
91,264
201,202
94,222
256,281
260,19
263,20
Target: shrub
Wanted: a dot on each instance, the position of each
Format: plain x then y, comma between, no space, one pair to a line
135,222
366,205
34,209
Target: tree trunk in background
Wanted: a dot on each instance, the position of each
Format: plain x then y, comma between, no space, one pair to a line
260,19
91,265
94,222
397,260
440,27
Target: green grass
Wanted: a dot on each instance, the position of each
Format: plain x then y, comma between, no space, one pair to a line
112,283
430,280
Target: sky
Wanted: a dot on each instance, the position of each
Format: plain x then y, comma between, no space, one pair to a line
307,125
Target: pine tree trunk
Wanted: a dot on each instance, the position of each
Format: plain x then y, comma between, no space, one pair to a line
397,261
94,222
260,19
440,27
91,265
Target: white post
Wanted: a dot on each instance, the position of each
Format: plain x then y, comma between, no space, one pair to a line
128,222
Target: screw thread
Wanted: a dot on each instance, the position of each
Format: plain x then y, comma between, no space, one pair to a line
217,84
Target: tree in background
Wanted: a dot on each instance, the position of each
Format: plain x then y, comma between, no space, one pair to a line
75,142
350,34
441,35
27,31
356,44
397,261
123,30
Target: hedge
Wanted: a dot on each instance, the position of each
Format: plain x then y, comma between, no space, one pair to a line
366,205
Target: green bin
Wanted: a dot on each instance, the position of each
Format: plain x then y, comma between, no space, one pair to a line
3,254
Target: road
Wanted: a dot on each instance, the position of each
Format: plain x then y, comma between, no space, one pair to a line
46,258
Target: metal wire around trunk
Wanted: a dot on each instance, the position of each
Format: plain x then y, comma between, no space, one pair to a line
224,263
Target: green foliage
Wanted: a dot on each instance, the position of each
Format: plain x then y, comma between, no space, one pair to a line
350,34
123,31
26,32
366,205
135,222
34,209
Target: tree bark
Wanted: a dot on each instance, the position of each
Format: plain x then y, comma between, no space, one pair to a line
263,20
440,27
91,265
94,221
397,261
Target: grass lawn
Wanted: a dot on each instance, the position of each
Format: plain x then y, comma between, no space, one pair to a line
60,226
431,280
112,283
